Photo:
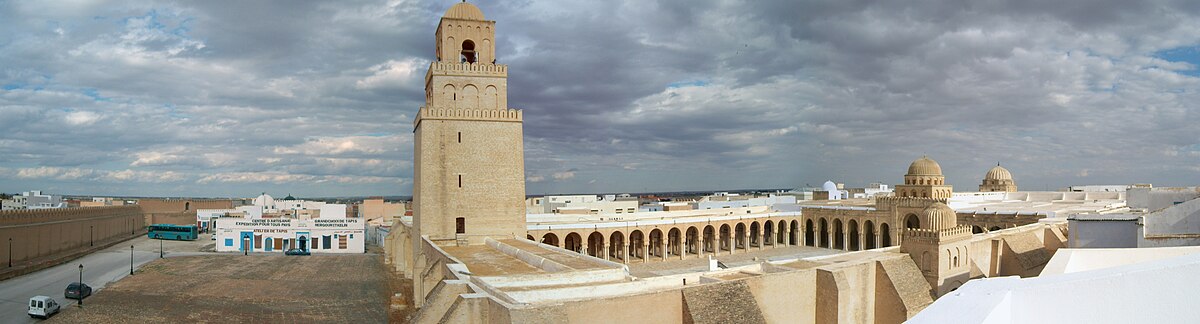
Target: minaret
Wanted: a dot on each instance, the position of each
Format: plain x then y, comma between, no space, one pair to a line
469,162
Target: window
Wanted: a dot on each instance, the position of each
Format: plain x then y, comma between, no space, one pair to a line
460,137
460,181
460,225
228,242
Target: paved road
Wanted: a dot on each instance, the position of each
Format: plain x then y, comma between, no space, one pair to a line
99,269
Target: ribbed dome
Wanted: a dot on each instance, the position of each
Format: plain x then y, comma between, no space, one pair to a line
998,173
924,166
265,200
939,216
463,10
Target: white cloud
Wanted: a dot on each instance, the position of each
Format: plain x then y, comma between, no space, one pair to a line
393,74
564,175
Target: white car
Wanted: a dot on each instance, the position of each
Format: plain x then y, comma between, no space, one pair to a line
42,307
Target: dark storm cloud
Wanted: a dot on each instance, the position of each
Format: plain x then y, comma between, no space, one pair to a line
316,98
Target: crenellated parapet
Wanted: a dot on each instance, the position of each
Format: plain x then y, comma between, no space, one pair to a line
466,69
507,115
34,216
936,236
887,203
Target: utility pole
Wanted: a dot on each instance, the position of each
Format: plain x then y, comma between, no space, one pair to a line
131,260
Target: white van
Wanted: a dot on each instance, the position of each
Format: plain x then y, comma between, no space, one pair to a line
42,306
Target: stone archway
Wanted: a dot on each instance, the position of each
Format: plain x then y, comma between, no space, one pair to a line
674,242
869,233
755,240
768,233
692,240
573,242
739,236
616,246
710,239
824,239
726,238
656,243
885,235
550,239
912,221
809,238
839,237
854,242
595,245
637,244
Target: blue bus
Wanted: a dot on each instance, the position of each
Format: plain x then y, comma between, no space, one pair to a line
172,232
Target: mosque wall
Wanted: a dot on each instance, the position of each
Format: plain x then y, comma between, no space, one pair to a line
52,233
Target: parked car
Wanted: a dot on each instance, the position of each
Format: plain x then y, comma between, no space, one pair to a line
42,307
296,252
77,290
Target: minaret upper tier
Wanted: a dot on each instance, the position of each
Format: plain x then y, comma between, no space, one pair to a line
465,83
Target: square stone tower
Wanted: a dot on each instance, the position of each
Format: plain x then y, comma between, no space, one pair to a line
469,161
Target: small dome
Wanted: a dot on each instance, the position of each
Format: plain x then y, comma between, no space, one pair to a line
834,193
289,197
939,216
264,200
998,173
925,166
463,10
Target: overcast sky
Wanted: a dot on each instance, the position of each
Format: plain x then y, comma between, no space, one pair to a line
233,98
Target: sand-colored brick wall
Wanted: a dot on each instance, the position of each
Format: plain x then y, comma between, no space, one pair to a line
40,233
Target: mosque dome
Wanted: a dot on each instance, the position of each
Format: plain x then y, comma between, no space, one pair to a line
264,200
289,197
998,173
925,166
939,216
463,10
832,189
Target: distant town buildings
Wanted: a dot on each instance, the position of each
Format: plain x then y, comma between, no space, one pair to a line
33,200
376,211
582,204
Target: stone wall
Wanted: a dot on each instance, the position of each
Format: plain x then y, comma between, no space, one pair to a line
157,205
45,233
180,218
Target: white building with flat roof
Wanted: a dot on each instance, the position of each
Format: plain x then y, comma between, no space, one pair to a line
344,235
34,199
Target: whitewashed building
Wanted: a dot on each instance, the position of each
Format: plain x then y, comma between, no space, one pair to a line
343,235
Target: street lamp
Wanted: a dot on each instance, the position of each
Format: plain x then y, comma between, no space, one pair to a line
10,252
160,248
131,260
92,235
79,288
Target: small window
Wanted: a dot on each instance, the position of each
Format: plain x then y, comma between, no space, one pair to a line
460,181
228,242
460,225
460,137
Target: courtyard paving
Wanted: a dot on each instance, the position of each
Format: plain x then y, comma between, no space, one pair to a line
232,288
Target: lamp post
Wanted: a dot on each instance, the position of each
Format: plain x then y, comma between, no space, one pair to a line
131,260
246,246
160,248
92,235
10,252
79,288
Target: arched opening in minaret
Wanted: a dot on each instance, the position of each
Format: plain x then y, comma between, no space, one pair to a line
912,221
468,51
